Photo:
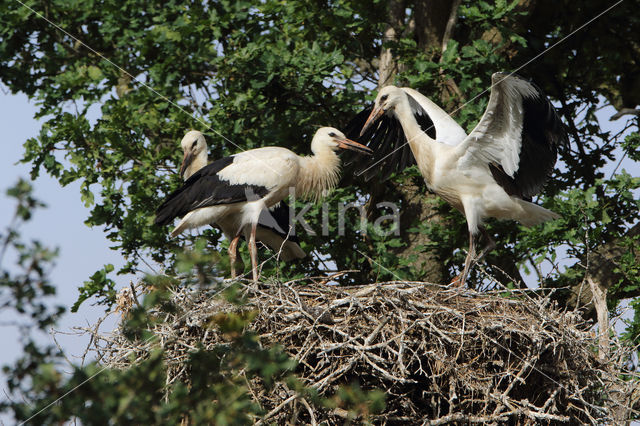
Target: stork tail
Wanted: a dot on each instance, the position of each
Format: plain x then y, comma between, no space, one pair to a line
535,214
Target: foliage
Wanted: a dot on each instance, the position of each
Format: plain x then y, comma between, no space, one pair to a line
118,83
25,288
217,385
251,75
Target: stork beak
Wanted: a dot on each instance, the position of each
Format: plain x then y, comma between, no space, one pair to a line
373,117
354,146
186,161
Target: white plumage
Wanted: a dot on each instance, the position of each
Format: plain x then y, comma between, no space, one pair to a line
391,152
448,130
273,228
235,190
493,171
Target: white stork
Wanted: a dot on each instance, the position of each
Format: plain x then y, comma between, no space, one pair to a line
238,188
495,170
273,229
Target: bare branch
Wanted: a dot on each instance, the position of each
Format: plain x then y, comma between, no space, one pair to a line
625,111
475,357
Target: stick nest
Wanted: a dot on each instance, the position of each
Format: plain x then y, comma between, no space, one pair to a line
441,355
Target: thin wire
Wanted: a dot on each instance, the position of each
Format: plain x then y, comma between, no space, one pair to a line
155,92
388,270
498,82
224,137
492,339
128,353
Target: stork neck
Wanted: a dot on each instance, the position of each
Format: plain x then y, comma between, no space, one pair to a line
318,174
421,144
196,164
411,128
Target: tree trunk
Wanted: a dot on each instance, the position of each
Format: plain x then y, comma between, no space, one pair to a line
432,22
420,206
388,65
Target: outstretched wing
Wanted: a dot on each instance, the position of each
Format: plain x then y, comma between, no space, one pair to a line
391,152
447,130
518,136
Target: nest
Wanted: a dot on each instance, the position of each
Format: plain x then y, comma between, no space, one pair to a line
441,355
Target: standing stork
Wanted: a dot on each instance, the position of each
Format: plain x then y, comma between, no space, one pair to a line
236,189
273,224
492,172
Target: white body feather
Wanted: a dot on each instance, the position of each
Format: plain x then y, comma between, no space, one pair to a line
271,172
229,217
459,172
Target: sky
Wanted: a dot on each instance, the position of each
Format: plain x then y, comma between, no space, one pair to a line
83,250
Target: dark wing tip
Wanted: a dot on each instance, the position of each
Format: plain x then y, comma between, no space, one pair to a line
391,152
204,189
422,117
543,133
279,221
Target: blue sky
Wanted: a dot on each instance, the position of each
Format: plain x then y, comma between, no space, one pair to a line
82,250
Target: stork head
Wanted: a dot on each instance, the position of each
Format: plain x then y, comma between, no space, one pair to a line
193,146
334,139
386,101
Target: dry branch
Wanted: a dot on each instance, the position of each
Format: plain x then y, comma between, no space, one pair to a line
442,355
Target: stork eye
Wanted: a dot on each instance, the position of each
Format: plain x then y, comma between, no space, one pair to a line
194,144
332,134
384,98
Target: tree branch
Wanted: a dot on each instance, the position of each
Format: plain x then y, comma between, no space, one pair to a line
600,302
451,23
604,269
625,111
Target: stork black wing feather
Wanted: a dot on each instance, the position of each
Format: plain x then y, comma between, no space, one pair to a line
422,117
277,220
386,139
205,189
354,126
394,137
542,134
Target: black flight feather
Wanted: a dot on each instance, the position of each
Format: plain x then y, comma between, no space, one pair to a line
424,121
276,219
391,150
542,134
204,189
383,138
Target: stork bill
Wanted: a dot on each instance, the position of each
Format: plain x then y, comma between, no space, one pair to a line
234,191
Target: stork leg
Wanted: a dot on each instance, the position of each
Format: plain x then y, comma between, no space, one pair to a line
471,254
233,255
472,259
253,251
